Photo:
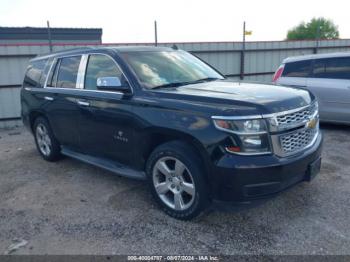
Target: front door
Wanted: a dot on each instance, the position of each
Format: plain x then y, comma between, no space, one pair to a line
106,126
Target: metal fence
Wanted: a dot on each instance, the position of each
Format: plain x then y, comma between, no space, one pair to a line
261,60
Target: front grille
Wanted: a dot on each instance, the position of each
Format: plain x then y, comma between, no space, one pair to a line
297,140
297,117
294,130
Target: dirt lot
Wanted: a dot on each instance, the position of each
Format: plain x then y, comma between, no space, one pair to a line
72,208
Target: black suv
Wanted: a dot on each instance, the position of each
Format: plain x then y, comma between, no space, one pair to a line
167,117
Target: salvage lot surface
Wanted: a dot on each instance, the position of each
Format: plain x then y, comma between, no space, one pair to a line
69,207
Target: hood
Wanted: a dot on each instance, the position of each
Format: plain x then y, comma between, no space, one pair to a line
265,99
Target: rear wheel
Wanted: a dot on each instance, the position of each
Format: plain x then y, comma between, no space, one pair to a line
177,180
46,143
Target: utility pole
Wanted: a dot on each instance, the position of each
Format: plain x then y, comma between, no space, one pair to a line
49,35
242,53
317,37
155,33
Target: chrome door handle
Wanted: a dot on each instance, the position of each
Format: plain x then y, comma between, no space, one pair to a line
48,98
83,103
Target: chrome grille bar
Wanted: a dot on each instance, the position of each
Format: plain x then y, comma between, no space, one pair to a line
296,118
294,131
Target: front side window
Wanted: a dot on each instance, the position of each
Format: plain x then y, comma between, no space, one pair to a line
160,68
67,72
332,68
297,69
100,66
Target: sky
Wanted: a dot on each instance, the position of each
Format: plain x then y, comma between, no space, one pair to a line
132,21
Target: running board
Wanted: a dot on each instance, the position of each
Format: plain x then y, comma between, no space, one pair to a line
107,164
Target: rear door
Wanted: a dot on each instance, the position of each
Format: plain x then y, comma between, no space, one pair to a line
295,74
33,94
61,95
330,82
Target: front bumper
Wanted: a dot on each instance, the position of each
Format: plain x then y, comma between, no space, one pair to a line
245,178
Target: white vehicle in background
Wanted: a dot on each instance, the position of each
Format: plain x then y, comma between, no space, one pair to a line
327,76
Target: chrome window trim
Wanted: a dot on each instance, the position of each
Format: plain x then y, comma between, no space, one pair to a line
59,58
81,74
54,60
49,72
84,90
58,65
120,69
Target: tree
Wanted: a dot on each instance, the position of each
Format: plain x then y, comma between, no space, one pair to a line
317,28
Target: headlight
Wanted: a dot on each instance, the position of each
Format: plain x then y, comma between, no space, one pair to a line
249,136
241,126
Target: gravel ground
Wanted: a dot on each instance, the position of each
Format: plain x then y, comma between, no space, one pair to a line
69,207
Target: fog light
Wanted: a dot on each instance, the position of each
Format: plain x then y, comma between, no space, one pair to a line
254,141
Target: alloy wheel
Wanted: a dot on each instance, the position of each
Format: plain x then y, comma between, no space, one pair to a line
43,140
173,183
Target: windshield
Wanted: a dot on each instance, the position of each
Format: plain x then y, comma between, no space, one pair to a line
169,68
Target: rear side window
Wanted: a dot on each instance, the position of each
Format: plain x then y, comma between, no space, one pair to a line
297,69
333,68
45,72
67,73
33,73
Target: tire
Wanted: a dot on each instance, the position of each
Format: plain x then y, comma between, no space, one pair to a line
177,180
45,141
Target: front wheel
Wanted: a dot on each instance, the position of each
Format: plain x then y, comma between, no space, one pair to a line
177,180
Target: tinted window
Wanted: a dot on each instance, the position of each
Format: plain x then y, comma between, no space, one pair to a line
297,69
336,68
50,78
53,74
45,72
68,72
33,73
168,67
100,66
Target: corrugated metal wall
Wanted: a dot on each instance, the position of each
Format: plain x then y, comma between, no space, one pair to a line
261,60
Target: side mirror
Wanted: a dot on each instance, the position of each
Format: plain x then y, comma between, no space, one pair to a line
111,84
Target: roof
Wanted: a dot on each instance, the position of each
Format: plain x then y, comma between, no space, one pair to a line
139,48
41,33
120,49
316,56
66,52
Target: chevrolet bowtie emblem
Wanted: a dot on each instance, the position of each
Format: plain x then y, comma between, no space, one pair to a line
312,123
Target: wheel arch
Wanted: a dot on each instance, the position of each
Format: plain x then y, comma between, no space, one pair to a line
159,136
33,115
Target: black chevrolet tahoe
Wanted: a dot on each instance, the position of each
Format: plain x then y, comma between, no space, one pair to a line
167,117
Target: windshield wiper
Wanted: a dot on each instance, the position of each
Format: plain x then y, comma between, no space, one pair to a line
177,84
207,79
